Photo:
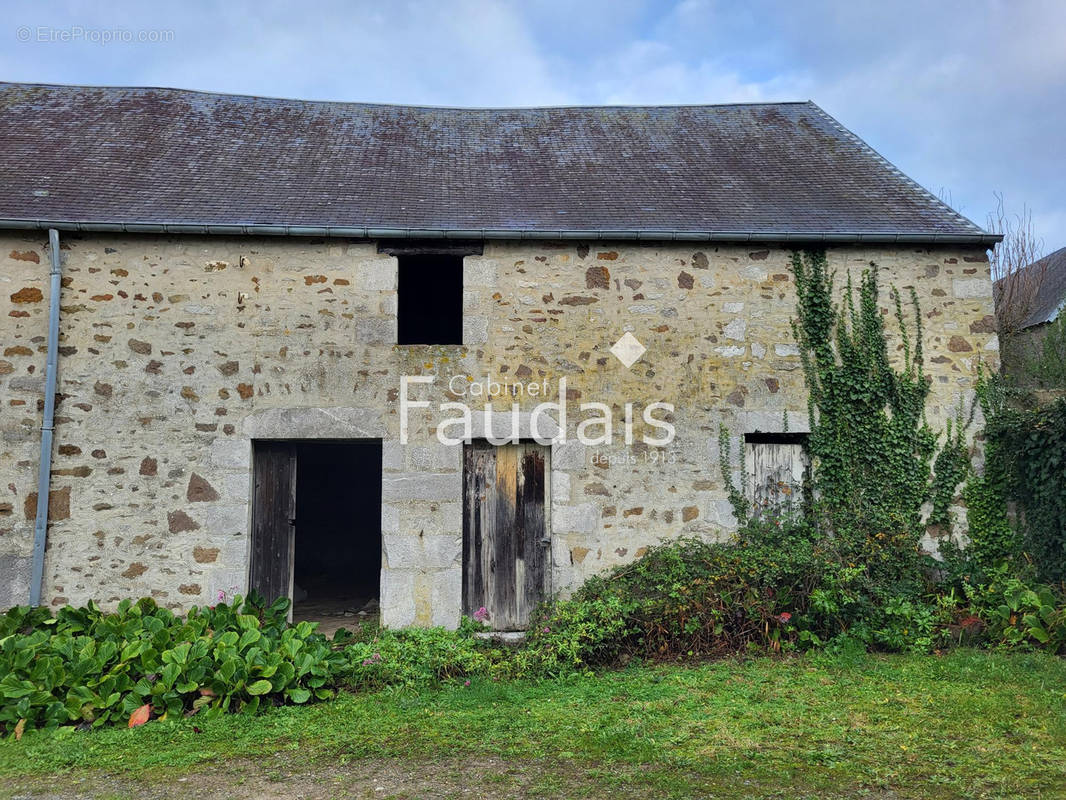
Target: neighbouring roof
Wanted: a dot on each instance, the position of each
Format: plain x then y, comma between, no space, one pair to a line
1049,274
171,160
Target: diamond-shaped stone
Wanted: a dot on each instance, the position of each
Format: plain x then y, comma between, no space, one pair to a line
628,349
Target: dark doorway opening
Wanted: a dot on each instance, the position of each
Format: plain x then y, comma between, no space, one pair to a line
316,528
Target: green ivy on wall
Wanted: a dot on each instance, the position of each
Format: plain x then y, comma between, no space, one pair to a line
1025,461
951,468
869,441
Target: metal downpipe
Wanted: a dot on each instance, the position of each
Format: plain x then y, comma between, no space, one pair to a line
40,528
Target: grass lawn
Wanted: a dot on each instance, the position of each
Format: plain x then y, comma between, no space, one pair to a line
966,724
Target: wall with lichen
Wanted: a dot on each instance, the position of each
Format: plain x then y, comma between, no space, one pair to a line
178,352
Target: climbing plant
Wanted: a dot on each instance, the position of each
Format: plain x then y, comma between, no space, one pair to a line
869,441
951,467
738,496
1025,462
992,538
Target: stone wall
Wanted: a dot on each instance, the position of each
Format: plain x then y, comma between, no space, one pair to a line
178,352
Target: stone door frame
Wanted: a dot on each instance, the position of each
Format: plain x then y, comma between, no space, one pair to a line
307,424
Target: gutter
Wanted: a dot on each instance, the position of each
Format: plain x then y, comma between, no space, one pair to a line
333,231
40,526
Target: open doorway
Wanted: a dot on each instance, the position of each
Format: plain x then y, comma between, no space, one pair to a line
316,529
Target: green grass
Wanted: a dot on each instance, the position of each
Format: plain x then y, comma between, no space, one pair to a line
966,724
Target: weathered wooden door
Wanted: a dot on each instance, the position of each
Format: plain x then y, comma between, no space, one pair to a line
506,545
273,519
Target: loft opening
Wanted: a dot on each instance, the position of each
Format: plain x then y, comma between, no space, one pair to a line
316,528
429,290
778,471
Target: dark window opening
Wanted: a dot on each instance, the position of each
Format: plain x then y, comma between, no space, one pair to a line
337,550
430,299
759,437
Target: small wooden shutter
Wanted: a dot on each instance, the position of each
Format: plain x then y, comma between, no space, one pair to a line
777,468
506,548
273,520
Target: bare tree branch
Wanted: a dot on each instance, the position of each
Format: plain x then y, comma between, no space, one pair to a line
1015,270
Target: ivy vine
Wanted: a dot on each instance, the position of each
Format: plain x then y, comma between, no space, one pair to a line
738,496
1025,462
951,468
869,441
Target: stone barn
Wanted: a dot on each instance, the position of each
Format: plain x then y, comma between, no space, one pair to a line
275,326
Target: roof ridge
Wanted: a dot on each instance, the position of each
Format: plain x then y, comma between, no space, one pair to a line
572,107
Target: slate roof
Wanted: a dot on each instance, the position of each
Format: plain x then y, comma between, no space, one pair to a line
1050,296
166,159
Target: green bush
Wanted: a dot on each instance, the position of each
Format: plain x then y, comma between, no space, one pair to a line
1032,446
1016,613
378,657
573,635
779,585
85,667
869,443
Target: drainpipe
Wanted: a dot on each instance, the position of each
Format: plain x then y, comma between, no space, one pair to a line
40,528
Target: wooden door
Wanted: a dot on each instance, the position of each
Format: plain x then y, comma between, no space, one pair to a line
506,545
273,520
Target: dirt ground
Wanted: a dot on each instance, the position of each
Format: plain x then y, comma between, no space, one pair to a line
336,612
378,778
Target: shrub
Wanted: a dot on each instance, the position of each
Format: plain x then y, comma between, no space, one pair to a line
378,657
690,599
85,667
1017,613
573,635
1031,444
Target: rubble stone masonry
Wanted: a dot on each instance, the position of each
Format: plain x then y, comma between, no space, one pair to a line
177,352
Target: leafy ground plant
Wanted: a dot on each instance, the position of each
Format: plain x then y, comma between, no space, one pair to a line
86,667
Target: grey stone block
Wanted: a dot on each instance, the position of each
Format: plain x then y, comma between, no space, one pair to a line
390,518
341,422
375,330
24,383
475,330
397,598
235,453
968,288
581,518
569,455
377,274
422,486
479,271
447,596
219,519
409,550
392,455
434,457
503,425
15,573
560,485
428,517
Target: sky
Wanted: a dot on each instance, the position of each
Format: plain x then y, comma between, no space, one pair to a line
968,97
